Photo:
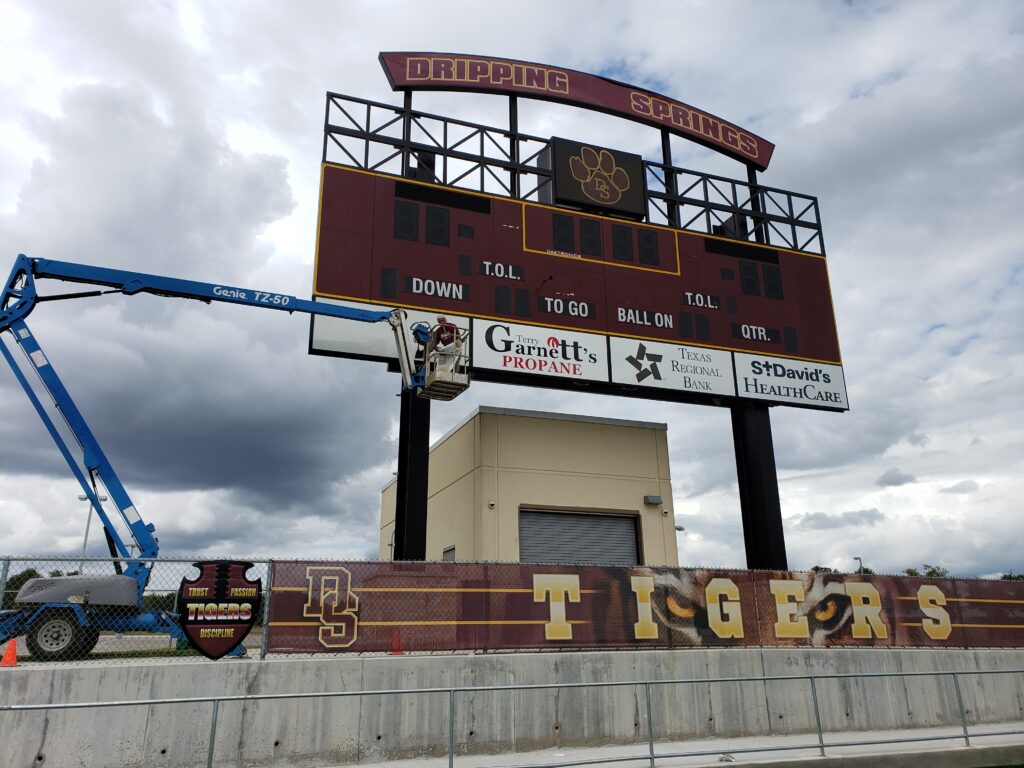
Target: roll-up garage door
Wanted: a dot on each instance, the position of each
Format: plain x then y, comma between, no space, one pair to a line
561,537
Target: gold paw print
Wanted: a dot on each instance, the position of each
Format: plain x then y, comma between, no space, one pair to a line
600,179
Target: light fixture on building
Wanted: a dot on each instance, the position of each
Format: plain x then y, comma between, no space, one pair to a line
652,500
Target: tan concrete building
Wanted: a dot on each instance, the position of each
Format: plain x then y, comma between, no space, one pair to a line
524,486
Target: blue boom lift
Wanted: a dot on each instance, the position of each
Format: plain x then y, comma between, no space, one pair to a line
63,616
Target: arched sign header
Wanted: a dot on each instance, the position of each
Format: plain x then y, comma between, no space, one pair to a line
484,74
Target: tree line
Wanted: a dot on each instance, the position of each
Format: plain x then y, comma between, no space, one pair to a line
927,571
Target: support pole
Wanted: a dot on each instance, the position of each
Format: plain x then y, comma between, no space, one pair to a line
268,595
763,537
213,733
413,435
411,490
817,716
406,133
963,714
650,724
670,178
4,570
513,128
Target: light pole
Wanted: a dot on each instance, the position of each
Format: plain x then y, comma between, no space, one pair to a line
88,520
860,564
679,529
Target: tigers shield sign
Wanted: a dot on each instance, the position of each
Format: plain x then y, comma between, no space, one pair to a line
217,610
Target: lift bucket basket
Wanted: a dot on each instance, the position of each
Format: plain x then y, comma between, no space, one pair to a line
446,370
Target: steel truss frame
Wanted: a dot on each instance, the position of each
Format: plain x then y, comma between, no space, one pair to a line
401,141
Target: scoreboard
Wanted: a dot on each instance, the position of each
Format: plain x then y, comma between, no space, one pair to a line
551,294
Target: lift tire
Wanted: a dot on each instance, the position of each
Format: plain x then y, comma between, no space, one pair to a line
57,636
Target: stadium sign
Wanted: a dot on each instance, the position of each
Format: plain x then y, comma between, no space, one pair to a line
530,271
485,74
539,248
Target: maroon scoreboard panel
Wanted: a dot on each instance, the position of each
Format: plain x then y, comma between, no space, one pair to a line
679,313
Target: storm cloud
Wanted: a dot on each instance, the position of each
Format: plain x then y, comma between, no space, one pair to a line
825,521
893,478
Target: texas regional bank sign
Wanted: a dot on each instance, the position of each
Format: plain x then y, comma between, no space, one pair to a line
372,606
522,349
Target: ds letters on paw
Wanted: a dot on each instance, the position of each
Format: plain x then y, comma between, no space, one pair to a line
597,179
217,610
600,178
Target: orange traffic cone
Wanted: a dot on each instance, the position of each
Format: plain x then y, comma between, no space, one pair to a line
10,654
396,643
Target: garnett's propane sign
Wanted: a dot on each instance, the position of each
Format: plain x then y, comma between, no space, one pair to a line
448,71
526,349
360,606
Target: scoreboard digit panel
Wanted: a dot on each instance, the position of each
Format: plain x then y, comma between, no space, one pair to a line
396,242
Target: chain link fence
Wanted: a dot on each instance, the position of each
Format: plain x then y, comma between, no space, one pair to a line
104,617
102,609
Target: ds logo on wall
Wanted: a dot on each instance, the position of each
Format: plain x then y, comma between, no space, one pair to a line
217,610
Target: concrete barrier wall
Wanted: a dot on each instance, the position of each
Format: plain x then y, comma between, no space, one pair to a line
379,728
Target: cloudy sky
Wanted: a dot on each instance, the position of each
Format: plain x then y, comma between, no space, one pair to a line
184,138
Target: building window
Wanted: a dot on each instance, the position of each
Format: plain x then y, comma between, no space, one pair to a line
448,555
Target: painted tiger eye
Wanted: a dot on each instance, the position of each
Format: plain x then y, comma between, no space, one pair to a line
682,611
826,611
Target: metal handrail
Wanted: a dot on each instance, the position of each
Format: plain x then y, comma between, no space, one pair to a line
650,755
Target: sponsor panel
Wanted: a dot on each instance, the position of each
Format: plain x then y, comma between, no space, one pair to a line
539,351
672,366
795,382
379,606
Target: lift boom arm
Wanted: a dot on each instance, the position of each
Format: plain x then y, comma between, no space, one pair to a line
20,297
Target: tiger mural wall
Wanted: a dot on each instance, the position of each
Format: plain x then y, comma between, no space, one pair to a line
372,606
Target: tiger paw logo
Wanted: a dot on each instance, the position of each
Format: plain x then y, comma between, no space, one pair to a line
600,178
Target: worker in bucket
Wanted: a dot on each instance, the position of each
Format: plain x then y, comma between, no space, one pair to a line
446,342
